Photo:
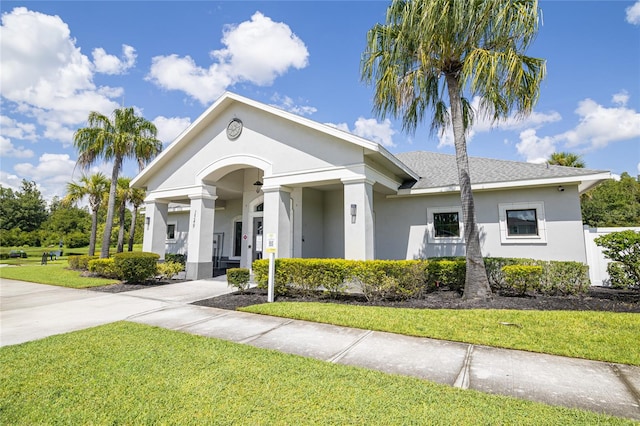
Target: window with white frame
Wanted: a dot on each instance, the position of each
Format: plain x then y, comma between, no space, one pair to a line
445,225
171,231
522,223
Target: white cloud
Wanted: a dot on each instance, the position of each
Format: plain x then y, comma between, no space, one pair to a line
45,74
621,98
52,173
484,123
111,64
633,14
534,148
170,127
600,125
288,104
14,129
8,180
370,128
7,149
256,51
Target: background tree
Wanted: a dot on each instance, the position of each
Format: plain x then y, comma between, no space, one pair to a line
65,220
136,198
94,188
473,45
612,203
24,209
124,136
566,159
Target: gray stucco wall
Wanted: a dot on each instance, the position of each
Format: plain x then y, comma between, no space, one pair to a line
312,223
333,225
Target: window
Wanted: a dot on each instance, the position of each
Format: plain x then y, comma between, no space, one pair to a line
171,231
444,225
522,223
237,238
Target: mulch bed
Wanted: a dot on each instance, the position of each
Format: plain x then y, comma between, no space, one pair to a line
597,299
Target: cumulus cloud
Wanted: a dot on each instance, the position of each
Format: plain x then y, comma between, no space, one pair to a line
288,104
111,64
7,149
621,98
633,13
170,127
600,125
372,129
45,74
533,148
484,123
13,129
256,51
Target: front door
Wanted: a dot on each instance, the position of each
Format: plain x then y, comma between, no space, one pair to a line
257,239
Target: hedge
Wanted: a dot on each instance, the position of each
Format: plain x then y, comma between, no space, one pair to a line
80,262
104,268
238,278
136,266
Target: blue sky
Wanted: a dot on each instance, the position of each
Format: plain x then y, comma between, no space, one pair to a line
171,60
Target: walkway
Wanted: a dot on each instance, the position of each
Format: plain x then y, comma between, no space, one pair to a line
33,311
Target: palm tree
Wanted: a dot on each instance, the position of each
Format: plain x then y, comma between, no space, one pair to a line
567,159
461,45
124,136
136,198
123,194
93,187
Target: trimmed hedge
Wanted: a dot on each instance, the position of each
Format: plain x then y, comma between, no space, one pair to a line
175,257
402,279
238,278
104,268
522,277
136,266
168,270
80,262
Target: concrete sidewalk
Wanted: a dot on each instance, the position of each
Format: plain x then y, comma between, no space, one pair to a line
31,311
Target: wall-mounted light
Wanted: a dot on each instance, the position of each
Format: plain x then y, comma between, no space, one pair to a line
147,221
354,210
561,188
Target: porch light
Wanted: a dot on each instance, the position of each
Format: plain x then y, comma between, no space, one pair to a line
147,220
354,209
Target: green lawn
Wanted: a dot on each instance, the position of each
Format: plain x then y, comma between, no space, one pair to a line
54,273
126,373
602,336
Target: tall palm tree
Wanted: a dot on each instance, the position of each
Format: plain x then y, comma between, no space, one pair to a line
136,198
567,159
125,135
93,187
123,194
427,46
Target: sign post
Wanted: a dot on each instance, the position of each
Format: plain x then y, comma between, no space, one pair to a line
271,249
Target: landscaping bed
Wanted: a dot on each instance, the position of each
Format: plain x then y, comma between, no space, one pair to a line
596,299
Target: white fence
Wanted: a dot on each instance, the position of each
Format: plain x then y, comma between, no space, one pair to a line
595,259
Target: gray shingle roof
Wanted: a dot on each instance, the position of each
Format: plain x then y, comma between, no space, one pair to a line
440,170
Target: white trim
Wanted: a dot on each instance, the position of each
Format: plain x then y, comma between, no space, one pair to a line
431,231
505,238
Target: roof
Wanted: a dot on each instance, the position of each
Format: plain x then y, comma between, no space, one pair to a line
438,173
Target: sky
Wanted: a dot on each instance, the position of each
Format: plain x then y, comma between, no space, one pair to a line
171,60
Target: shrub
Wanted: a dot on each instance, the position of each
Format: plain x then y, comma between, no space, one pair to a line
622,247
76,239
563,278
281,278
522,277
136,266
389,279
175,257
238,278
80,262
450,273
104,268
168,270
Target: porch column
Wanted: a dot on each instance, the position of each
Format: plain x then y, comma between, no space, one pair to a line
155,227
277,218
200,240
358,219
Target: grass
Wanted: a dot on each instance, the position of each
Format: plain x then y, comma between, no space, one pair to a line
126,373
601,336
54,273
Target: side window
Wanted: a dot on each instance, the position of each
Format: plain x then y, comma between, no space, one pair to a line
522,223
171,231
444,225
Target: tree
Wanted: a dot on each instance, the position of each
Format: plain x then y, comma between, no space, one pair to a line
123,196
567,159
25,209
612,203
93,187
473,45
136,198
124,136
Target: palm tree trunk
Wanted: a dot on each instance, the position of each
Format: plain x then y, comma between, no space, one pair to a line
121,217
106,237
94,231
476,282
132,230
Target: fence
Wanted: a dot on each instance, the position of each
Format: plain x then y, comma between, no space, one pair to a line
595,259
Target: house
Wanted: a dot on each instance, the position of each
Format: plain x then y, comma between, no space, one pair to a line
244,171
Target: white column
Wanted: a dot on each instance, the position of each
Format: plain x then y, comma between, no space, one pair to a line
155,227
358,219
200,236
277,218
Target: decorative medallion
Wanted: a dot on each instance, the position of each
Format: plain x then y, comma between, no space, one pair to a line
234,128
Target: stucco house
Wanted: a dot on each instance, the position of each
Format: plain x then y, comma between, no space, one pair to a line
244,170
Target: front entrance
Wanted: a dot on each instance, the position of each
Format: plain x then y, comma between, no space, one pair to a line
257,239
